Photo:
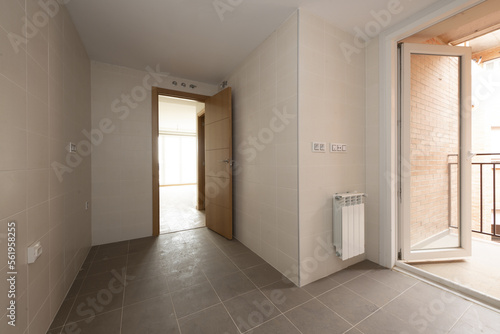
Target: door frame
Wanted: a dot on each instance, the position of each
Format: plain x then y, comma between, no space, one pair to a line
156,92
388,119
200,133
464,177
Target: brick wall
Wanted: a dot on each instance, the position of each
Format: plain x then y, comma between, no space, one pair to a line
433,137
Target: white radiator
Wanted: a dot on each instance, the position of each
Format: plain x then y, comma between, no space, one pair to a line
349,224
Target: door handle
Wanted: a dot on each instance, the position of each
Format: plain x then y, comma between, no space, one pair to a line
228,161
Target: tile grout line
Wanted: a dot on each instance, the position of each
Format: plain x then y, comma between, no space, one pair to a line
222,303
341,317
65,323
460,317
175,313
124,287
257,288
250,331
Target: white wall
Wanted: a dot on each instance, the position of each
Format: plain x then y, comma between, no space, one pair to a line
122,160
265,148
331,109
45,104
372,153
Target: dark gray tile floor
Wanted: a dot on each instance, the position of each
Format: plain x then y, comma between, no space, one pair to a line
198,282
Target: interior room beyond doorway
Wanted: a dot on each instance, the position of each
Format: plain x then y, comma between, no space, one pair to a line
178,164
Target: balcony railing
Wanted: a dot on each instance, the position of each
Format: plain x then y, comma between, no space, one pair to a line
486,194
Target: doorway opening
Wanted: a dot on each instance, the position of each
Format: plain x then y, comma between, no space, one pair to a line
449,155
178,160
214,158
178,147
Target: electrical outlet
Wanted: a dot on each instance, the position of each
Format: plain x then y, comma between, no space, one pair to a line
335,147
71,147
318,147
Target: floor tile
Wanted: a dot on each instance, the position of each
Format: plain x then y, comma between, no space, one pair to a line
141,258
148,244
147,269
218,268
314,317
424,316
194,299
152,316
376,292
214,320
234,247
285,295
107,253
55,330
278,325
250,310
106,280
430,294
232,285
185,277
478,319
347,304
320,286
62,314
116,263
108,323
181,278
139,290
95,303
397,281
75,288
354,271
383,322
178,209
263,274
246,260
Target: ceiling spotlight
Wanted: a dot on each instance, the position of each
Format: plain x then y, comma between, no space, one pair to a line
174,83
183,84
192,86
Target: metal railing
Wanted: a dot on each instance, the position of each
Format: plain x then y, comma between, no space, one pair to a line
493,231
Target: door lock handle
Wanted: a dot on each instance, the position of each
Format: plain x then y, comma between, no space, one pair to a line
228,161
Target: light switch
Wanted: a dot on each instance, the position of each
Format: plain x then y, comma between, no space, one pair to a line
318,147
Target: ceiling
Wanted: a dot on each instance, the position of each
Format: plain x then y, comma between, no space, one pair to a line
192,39
478,26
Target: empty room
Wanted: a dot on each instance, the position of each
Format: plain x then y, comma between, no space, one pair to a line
237,166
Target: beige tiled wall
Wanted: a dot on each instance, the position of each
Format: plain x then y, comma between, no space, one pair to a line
122,160
44,104
265,149
331,109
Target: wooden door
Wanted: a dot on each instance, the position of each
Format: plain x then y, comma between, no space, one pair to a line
218,164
